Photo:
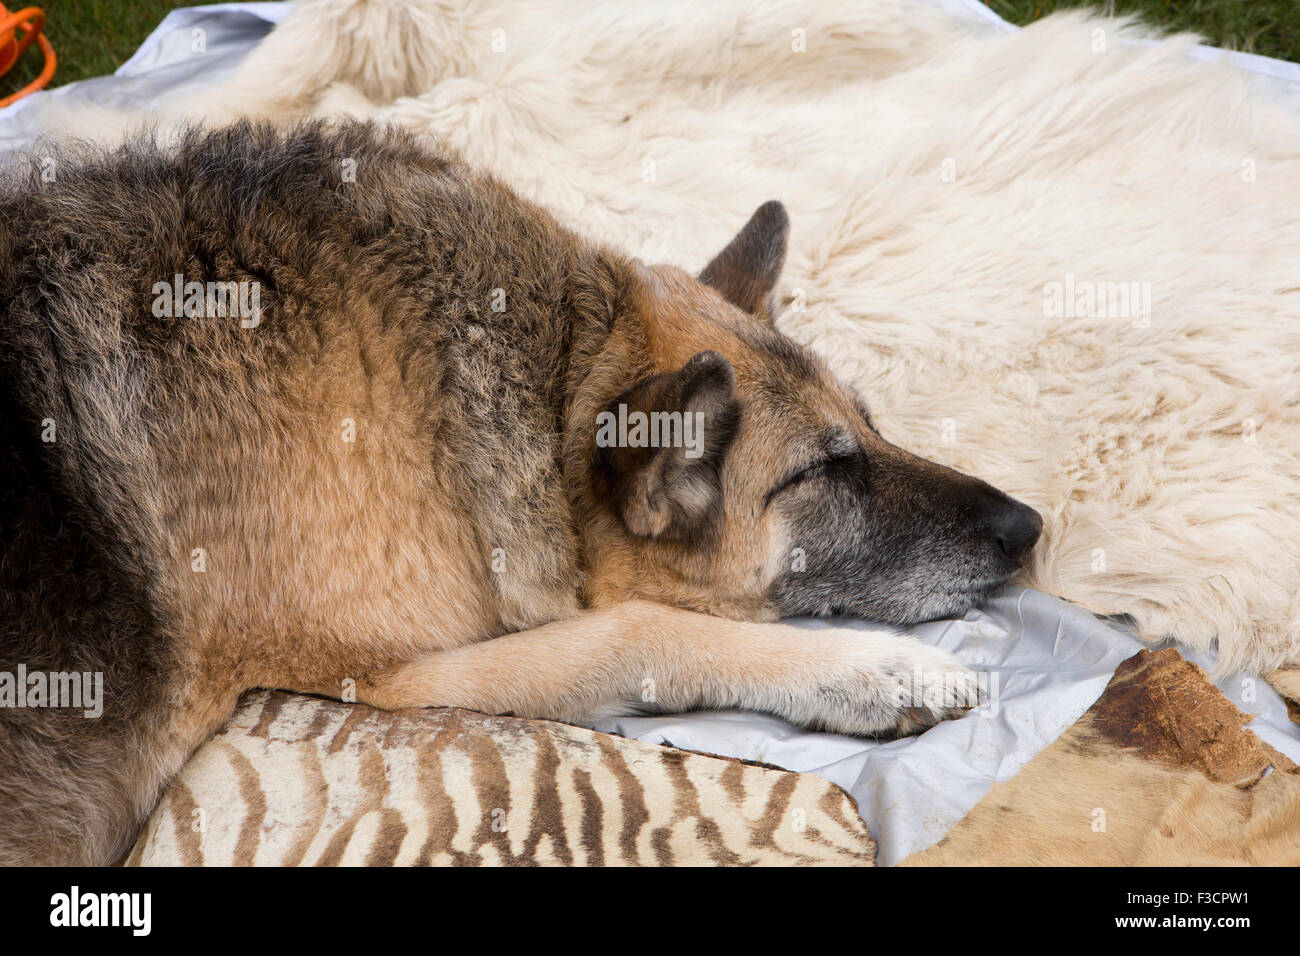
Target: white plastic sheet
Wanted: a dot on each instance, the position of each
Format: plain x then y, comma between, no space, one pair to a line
1048,661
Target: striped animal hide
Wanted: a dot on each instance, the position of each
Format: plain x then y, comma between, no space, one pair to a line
293,780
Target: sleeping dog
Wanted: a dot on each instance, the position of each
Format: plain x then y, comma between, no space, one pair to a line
325,410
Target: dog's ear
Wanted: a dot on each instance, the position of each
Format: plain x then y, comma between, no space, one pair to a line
660,446
747,270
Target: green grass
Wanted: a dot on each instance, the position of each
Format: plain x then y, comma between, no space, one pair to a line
94,37
1267,27
90,37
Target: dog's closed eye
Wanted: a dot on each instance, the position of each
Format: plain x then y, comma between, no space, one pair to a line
818,469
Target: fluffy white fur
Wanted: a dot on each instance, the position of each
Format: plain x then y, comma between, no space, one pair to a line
939,177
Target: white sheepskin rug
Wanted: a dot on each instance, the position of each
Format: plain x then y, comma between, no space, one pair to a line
1056,259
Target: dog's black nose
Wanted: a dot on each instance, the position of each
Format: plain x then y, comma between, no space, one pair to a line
1015,527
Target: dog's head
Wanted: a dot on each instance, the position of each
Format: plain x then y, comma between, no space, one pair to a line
744,478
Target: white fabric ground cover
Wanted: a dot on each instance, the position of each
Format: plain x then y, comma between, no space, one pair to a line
1048,660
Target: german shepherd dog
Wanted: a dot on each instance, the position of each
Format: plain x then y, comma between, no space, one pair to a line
417,470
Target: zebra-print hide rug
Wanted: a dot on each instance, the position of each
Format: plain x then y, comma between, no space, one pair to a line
296,780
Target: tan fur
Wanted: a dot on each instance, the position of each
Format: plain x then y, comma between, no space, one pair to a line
1159,772
1118,809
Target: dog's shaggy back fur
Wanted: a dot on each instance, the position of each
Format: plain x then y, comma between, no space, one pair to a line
158,471
942,180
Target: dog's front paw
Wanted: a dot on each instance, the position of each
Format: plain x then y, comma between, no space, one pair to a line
890,686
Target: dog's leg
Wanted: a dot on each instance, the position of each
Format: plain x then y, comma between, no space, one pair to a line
638,657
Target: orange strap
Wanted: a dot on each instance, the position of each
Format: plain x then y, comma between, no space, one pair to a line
32,22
